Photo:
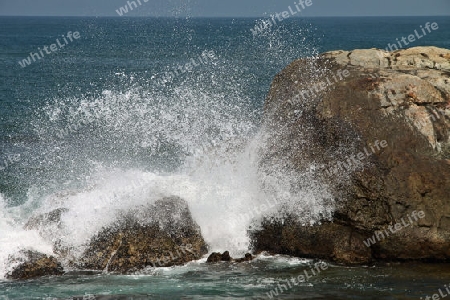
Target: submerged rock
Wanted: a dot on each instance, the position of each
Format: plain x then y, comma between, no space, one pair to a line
375,127
160,235
30,264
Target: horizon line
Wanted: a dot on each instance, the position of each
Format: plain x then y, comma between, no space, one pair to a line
214,17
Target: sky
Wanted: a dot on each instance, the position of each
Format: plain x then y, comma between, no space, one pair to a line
224,8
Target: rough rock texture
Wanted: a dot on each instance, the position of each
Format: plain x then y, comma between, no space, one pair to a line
30,264
161,235
318,117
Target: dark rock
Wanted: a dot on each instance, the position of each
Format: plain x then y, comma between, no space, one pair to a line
226,256
218,257
214,257
402,98
161,235
33,265
328,241
248,257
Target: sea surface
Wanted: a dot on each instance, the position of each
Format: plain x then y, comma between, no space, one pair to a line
109,121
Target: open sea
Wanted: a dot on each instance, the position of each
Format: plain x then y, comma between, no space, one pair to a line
115,118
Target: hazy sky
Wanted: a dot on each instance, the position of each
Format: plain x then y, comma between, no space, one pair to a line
229,8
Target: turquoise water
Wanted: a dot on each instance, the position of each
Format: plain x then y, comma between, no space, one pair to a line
253,280
97,127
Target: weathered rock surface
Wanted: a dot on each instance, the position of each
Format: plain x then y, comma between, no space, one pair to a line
319,117
30,264
161,235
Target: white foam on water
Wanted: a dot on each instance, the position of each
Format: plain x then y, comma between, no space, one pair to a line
97,152
14,238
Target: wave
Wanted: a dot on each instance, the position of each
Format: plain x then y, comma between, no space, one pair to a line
100,155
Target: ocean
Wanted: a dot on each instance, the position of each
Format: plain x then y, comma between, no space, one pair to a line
118,112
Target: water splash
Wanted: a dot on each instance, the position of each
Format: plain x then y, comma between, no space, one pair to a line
102,154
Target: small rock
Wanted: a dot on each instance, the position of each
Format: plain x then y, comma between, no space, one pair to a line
214,257
34,265
248,257
217,257
226,256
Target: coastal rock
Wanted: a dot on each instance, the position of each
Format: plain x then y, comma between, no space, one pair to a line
331,241
160,235
247,257
331,114
47,224
45,220
30,264
216,257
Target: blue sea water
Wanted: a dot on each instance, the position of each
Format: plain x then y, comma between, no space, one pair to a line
85,126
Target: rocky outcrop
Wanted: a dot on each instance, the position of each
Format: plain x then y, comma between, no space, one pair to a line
161,235
375,127
30,264
330,241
